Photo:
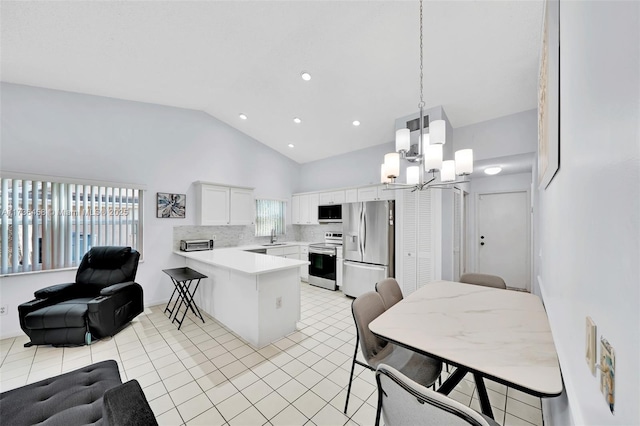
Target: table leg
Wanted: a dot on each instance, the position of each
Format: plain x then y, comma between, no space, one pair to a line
176,286
452,381
483,396
187,299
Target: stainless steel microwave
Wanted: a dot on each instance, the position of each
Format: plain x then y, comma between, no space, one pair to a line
330,213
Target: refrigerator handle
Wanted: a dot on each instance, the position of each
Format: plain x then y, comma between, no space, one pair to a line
364,229
360,231
367,266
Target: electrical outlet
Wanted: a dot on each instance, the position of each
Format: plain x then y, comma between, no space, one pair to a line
213,237
4,309
607,372
278,302
590,345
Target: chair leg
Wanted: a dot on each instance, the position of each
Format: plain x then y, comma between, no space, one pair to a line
353,366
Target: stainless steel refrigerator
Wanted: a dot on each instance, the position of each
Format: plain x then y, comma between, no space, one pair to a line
368,244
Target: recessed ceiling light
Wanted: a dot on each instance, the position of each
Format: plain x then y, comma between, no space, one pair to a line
493,170
305,76
356,123
291,145
297,120
243,116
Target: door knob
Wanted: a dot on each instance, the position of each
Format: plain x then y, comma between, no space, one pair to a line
482,243
482,237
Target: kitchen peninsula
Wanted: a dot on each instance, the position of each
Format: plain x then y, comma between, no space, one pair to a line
257,296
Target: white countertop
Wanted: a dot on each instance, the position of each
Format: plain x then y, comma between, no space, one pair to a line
502,334
249,263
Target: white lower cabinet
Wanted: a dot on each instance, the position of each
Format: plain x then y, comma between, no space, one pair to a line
293,252
304,270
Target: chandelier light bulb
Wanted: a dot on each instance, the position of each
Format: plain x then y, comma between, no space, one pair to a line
438,130
384,178
392,164
464,161
433,157
448,172
413,175
403,140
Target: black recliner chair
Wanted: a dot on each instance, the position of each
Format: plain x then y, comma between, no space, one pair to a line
103,299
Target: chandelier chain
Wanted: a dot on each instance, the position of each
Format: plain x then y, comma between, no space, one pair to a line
421,104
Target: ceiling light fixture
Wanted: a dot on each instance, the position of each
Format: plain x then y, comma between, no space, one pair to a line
356,123
291,145
493,170
430,150
297,120
243,116
305,76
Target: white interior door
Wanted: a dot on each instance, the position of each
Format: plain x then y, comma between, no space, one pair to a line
503,237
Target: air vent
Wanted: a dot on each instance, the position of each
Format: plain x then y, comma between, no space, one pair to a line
414,124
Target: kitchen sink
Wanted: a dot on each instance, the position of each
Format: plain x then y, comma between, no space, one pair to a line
273,244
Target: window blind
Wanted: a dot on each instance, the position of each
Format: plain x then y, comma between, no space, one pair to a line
270,214
51,225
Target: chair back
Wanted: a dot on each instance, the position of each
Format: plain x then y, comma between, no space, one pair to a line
484,280
107,265
365,308
405,402
389,290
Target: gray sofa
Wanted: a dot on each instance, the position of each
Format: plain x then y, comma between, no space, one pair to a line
90,395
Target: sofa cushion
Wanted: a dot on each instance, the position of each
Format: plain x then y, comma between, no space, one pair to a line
72,398
62,315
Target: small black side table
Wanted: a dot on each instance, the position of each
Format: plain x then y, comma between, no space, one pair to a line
182,279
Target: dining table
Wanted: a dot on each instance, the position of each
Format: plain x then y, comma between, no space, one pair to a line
496,334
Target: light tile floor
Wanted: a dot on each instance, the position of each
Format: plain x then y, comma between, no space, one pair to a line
205,375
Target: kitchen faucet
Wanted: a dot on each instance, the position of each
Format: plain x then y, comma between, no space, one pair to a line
273,235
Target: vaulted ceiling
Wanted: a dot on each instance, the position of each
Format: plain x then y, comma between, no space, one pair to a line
232,57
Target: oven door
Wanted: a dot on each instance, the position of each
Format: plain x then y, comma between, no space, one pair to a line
322,268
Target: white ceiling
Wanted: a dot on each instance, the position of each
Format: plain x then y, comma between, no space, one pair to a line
228,57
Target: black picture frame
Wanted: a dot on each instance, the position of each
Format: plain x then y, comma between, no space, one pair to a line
171,205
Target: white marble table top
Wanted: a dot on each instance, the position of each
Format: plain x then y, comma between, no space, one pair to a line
243,261
502,334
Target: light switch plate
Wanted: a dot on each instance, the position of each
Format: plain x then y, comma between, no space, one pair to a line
590,345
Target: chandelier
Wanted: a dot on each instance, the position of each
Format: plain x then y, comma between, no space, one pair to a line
428,159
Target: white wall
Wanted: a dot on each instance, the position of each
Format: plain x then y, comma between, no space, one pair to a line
72,135
589,236
509,135
361,167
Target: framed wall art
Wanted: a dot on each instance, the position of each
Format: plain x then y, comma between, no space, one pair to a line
549,96
171,205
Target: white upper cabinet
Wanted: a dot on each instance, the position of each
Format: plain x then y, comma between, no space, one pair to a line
242,206
351,195
374,193
212,205
304,209
224,205
333,197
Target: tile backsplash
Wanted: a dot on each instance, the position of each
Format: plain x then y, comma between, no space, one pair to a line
232,236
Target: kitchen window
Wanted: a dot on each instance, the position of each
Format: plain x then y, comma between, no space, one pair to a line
50,223
270,214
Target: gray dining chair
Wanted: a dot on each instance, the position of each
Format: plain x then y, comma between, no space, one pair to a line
389,290
403,402
367,307
484,280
